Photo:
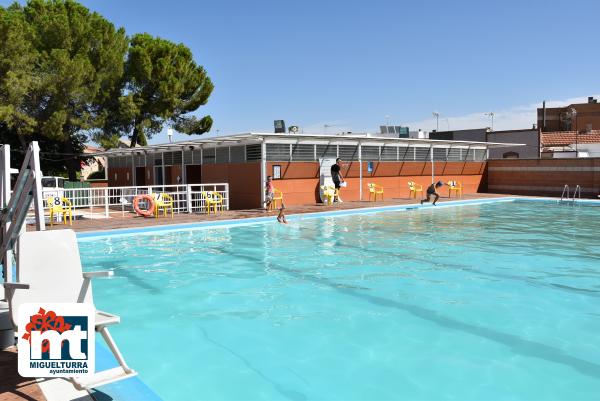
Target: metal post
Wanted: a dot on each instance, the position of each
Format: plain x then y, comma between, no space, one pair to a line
432,167
263,170
106,202
7,259
360,172
183,177
188,196
40,223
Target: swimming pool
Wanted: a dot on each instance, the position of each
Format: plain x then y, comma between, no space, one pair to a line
492,301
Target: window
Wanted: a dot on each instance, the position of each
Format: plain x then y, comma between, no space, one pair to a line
510,155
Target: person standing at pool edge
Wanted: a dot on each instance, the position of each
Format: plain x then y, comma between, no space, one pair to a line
431,190
269,192
337,177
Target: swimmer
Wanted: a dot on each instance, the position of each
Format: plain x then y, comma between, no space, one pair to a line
281,217
431,190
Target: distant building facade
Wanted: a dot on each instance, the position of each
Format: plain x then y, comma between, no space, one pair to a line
574,117
528,137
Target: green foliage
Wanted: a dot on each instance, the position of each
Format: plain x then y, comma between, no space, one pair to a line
67,75
162,84
97,175
60,64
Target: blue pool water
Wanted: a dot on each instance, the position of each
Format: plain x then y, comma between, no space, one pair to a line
487,302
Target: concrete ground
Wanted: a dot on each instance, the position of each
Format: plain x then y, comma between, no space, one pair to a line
130,220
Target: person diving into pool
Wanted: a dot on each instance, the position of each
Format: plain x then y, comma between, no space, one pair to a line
432,190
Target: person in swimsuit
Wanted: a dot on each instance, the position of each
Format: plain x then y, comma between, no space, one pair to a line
269,192
337,177
431,190
281,217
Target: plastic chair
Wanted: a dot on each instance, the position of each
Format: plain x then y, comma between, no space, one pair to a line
329,193
413,188
277,196
164,202
456,187
61,207
375,190
212,199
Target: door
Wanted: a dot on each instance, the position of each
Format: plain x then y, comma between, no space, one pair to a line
140,176
193,174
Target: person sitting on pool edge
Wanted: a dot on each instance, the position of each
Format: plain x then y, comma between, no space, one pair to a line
431,190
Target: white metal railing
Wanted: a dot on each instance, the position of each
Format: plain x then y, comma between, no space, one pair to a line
102,202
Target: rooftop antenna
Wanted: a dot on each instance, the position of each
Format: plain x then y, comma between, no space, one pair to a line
437,120
491,115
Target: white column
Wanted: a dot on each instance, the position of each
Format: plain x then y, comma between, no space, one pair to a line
106,202
188,196
432,167
133,179
183,177
360,172
263,170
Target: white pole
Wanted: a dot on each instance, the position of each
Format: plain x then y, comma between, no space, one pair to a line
40,223
360,172
188,195
106,202
432,167
263,170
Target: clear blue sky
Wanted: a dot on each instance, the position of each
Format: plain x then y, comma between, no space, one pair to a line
352,63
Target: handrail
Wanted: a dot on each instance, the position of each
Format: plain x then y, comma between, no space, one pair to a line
577,193
27,189
565,189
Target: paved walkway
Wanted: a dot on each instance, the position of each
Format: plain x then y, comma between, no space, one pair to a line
13,387
130,220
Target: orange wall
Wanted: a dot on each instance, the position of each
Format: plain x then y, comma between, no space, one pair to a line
300,180
244,182
545,177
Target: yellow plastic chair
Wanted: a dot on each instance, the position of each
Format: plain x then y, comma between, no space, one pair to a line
456,187
213,200
60,206
163,202
375,190
277,196
329,193
413,188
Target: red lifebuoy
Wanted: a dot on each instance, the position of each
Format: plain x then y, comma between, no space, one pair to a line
151,204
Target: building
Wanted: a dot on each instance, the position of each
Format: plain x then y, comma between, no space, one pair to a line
574,117
529,138
94,164
245,160
570,144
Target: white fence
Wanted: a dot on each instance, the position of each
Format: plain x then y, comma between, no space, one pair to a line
103,202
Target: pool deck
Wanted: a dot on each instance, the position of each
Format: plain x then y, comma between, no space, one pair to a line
13,387
130,220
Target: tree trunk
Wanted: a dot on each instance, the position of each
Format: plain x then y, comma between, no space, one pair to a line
73,164
134,136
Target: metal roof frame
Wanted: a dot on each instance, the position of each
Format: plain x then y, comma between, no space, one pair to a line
259,137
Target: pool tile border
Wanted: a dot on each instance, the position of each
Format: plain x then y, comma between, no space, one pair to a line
84,236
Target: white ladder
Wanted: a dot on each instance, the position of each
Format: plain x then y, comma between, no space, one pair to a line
27,189
565,197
